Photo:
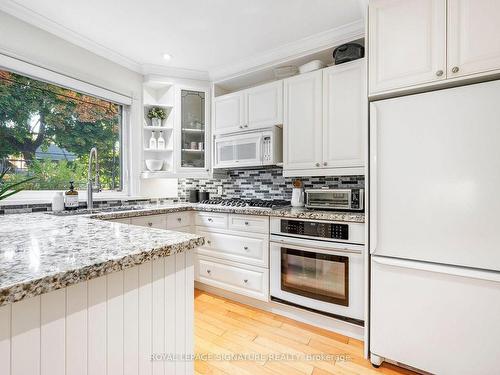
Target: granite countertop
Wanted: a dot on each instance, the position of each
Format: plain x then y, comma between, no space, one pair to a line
290,212
40,252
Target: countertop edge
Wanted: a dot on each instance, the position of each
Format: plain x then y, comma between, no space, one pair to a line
32,288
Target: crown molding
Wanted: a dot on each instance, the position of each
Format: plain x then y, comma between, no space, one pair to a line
44,23
290,51
171,71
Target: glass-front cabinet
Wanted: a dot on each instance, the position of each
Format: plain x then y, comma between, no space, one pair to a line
193,138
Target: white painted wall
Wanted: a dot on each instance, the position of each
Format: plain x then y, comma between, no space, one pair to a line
33,45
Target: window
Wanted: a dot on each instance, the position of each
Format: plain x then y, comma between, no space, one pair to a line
47,131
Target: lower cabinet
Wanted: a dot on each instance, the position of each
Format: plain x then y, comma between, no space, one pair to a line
234,277
235,256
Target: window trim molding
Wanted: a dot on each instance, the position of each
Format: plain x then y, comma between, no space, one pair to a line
22,67
37,72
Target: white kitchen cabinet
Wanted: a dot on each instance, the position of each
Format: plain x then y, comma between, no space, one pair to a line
264,105
229,113
473,36
302,126
179,220
151,221
234,277
192,131
255,108
344,120
249,249
419,43
407,43
325,121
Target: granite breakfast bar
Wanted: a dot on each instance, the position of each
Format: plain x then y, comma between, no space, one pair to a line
85,296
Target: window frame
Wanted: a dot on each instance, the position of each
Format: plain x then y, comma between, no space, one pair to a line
49,76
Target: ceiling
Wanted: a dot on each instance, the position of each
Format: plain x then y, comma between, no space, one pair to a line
202,36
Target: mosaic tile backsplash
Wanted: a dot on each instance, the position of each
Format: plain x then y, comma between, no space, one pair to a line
261,184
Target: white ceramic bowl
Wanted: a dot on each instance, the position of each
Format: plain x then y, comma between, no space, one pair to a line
311,66
154,165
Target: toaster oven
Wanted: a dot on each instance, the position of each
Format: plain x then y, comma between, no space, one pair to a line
335,199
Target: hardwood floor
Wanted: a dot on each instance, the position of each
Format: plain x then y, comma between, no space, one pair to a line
227,328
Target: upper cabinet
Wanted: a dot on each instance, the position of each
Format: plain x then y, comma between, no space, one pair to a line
229,113
344,115
302,127
193,140
264,105
407,43
254,108
473,36
325,122
414,43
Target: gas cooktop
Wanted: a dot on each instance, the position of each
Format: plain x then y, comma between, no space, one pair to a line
258,203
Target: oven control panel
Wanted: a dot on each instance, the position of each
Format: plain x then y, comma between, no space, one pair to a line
315,229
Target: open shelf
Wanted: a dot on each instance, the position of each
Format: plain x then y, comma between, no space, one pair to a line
158,150
150,127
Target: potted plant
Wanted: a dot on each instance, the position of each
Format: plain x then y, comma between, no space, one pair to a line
6,190
157,115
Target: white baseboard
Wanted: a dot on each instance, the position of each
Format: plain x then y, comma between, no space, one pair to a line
304,316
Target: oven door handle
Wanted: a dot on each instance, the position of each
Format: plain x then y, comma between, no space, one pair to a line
319,245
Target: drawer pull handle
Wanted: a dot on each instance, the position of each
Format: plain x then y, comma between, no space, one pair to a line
150,224
245,281
246,248
246,223
210,219
209,272
179,219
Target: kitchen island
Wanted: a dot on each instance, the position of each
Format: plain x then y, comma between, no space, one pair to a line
86,296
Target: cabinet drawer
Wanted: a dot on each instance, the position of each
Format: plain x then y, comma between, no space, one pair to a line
125,220
248,223
178,219
246,280
212,220
152,221
247,250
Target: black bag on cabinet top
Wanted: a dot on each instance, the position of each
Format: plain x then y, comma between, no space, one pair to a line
348,52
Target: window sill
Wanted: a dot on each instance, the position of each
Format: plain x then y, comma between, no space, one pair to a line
45,197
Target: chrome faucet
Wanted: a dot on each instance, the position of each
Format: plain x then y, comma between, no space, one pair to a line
92,185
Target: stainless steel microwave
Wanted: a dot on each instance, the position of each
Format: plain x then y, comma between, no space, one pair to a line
335,199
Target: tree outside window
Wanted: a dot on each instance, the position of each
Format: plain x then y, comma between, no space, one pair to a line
47,131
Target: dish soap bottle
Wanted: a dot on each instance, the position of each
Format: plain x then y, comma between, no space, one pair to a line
152,141
161,141
71,198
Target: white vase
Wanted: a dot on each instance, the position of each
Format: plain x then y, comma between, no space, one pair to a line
156,121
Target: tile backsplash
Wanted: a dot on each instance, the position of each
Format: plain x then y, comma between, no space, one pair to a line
261,184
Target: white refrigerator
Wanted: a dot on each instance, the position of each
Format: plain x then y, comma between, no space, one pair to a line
435,230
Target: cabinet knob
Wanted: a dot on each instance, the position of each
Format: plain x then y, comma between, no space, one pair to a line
150,224
241,126
246,223
209,242
455,69
179,219
245,281
246,248
317,164
209,272
246,125
439,73
325,163
210,219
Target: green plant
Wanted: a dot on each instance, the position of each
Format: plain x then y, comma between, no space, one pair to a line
6,190
157,112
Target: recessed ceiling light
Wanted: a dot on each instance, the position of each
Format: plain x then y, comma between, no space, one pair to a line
166,56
